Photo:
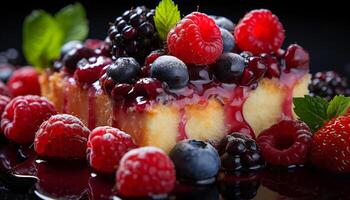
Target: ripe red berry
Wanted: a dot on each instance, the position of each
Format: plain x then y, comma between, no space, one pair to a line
144,172
89,71
106,146
23,116
297,57
330,147
259,31
24,81
196,39
62,136
286,143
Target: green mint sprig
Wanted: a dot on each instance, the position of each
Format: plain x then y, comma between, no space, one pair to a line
166,16
315,111
44,34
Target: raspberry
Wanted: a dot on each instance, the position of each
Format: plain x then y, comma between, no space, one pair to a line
196,39
62,136
4,89
23,116
24,81
145,171
330,145
286,143
106,146
259,31
88,71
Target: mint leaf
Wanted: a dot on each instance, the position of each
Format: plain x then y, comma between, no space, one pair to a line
311,110
166,16
42,38
338,106
72,21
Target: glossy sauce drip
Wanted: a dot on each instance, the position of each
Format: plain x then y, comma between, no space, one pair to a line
288,81
91,108
231,96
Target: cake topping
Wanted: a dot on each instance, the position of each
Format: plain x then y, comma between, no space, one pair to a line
170,70
259,31
71,59
105,148
62,136
227,40
195,161
223,22
133,34
124,70
145,171
228,68
23,116
196,39
89,70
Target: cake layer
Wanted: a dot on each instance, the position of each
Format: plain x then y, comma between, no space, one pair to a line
164,124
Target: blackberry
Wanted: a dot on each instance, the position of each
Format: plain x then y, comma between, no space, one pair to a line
239,153
134,34
328,84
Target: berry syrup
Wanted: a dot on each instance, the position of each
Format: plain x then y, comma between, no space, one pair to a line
142,96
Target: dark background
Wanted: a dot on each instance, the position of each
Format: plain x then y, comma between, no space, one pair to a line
323,28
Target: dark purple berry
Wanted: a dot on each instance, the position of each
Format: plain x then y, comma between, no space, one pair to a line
134,34
238,152
223,22
328,84
229,67
228,40
124,70
170,70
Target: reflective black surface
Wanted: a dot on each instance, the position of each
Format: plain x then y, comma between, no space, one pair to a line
24,176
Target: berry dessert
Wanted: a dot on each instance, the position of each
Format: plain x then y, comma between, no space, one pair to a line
191,78
170,108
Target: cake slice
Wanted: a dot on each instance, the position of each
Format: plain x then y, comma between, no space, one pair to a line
191,90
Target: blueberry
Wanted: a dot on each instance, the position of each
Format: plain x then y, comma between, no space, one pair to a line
228,40
171,70
70,46
195,160
124,70
223,22
229,67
